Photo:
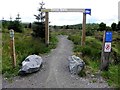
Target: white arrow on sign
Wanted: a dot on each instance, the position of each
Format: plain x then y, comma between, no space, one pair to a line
107,47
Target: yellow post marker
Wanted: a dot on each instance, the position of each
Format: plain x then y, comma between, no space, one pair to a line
12,45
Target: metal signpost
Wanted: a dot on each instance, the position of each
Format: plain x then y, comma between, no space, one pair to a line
84,11
106,49
12,45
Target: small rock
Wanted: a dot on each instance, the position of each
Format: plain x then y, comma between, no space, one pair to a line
77,78
92,76
100,81
5,78
87,72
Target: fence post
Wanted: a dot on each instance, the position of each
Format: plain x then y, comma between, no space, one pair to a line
12,46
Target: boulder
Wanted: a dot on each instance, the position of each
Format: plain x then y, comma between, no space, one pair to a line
31,64
75,64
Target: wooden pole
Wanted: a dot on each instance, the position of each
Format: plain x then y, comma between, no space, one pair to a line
104,57
12,45
46,28
83,30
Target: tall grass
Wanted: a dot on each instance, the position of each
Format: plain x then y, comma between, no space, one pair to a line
112,76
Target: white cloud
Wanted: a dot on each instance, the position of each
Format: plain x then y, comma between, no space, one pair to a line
102,10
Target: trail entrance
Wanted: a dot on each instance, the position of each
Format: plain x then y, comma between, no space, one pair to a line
84,11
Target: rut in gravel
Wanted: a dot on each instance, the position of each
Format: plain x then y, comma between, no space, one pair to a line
55,72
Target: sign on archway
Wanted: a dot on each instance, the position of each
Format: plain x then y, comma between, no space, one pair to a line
84,11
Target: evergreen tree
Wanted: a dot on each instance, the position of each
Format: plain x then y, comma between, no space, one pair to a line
118,26
102,26
39,26
114,26
16,25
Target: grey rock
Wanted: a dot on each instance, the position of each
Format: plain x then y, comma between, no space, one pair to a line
31,64
75,64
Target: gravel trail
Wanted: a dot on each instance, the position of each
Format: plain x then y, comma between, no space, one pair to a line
55,73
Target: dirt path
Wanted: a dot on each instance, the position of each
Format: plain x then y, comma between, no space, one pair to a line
55,73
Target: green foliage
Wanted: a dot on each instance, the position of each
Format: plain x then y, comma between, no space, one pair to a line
102,26
91,49
53,40
93,66
114,26
75,38
16,26
5,24
82,73
86,50
90,32
112,76
77,48
38,29
118,26
77,26
41,15
30,25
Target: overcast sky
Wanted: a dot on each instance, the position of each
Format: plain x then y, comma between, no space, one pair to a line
102,10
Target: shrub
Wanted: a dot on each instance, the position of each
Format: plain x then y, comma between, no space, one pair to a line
38,29
77,48
86,50
75,38
90,32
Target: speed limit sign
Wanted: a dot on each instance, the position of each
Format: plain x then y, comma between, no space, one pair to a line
107,47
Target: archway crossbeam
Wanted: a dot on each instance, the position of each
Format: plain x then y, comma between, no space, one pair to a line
86,11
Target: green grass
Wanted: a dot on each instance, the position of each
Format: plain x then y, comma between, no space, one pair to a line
25,45
112,76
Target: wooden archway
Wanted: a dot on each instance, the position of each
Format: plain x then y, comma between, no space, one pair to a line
84,11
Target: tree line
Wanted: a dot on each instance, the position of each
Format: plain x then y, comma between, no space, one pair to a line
92,26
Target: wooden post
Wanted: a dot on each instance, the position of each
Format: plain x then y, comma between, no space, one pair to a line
83,30
104,57
12,45
46,28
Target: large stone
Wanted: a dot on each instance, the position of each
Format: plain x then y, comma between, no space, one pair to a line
75,64
31,64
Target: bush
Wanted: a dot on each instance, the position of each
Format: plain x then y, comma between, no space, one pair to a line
112,76
38,29
90,32
5,24
77,48
75,38
86,50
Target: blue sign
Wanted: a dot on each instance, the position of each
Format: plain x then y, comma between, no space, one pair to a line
108,36
88,11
